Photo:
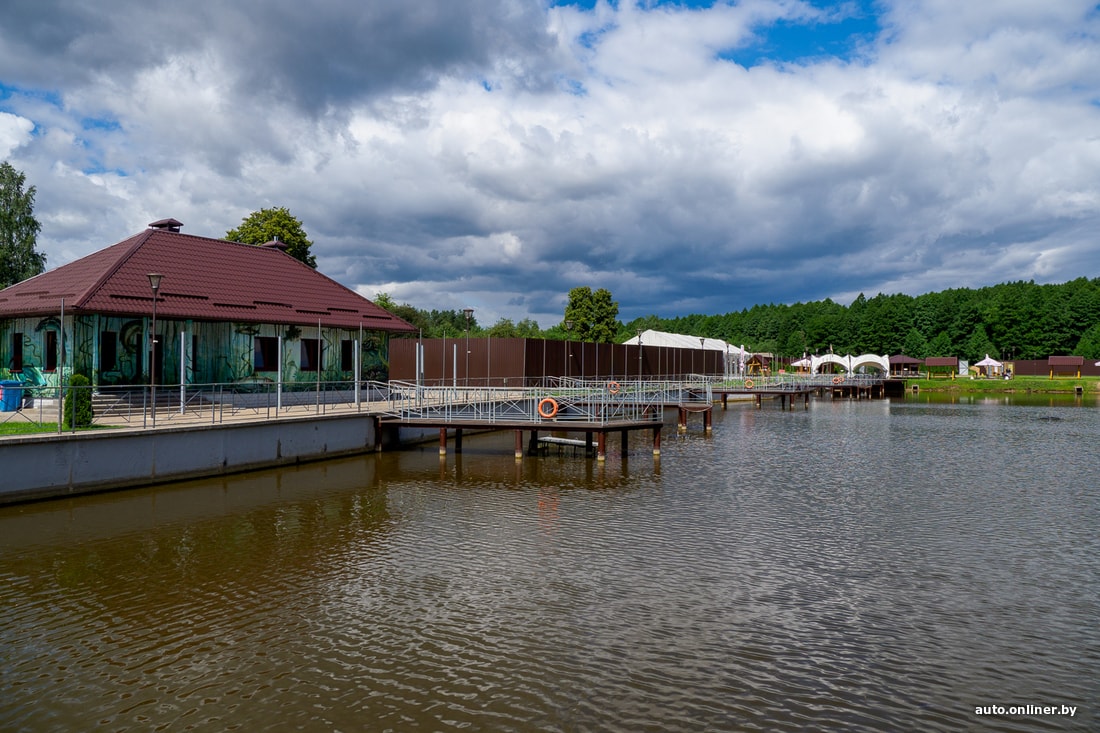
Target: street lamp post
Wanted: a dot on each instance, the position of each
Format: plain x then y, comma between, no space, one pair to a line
469,312
639,332
568,347
154,283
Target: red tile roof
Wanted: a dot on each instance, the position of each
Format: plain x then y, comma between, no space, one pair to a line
204,279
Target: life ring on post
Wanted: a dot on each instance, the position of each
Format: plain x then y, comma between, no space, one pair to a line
748,384
548,408
613,387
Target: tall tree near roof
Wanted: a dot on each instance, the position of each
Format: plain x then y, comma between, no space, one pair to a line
19,229
594,315
266,225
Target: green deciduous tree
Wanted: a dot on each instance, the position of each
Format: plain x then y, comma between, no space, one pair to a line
1089,345
593,314
266,225
18,229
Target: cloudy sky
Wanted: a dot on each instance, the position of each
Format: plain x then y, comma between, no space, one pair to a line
691,157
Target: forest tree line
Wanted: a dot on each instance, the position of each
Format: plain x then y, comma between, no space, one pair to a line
1017,320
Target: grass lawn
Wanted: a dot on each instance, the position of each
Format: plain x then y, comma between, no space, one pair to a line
1091,385
31,428
24,428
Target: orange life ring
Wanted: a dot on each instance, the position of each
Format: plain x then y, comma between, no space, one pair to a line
548,413
838,380
748,384
613,387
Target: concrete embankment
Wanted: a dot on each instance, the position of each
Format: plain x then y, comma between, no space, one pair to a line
49,466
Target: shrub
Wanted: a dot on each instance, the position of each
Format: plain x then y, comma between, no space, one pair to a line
78,403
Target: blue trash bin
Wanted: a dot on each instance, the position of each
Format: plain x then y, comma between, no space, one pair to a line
11,395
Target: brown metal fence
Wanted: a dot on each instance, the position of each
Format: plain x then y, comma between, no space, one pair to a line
502,362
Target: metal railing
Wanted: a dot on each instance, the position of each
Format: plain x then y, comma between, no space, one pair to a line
560,400
194,403
555,399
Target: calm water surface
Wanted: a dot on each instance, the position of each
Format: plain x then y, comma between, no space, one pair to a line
863,566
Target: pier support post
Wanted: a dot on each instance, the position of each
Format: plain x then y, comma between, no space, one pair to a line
601,445
707,421
681,420
759,402
657,441
533,443
806,401
458,441
519,445
443,441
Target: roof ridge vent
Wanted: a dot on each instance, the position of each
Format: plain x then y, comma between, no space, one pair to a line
276,244
170,225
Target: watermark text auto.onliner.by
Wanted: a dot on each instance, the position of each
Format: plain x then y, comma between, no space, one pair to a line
1061,710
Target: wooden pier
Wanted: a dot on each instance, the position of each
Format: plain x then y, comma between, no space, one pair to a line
787,394
598,409
595,434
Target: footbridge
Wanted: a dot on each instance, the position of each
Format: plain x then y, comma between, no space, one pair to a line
595,408
598,408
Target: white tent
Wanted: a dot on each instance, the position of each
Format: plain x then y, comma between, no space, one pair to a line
682,341
991,366
734,355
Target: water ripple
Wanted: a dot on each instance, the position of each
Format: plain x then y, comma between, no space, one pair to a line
856,566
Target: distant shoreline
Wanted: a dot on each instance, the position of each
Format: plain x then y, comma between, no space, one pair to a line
1015,385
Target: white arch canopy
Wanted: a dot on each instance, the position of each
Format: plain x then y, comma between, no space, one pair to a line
851,363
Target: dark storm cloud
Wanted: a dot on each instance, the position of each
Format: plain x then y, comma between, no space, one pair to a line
313,56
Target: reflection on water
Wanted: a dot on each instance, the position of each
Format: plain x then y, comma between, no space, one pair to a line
886,565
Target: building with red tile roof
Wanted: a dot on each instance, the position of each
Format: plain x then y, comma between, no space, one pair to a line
225,312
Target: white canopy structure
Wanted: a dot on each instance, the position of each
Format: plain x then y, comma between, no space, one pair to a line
851,364
682,341
734,355
992,366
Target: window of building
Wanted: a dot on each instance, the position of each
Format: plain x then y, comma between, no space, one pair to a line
309,360
17,352
265,353
347,355
108,351
50,355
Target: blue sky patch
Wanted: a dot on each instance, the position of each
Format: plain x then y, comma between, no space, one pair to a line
7,92
855,26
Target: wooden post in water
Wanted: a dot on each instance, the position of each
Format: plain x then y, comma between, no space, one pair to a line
601,445
458,441
519,444
657,441
443,442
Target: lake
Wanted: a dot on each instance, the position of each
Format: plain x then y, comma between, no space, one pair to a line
925,563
